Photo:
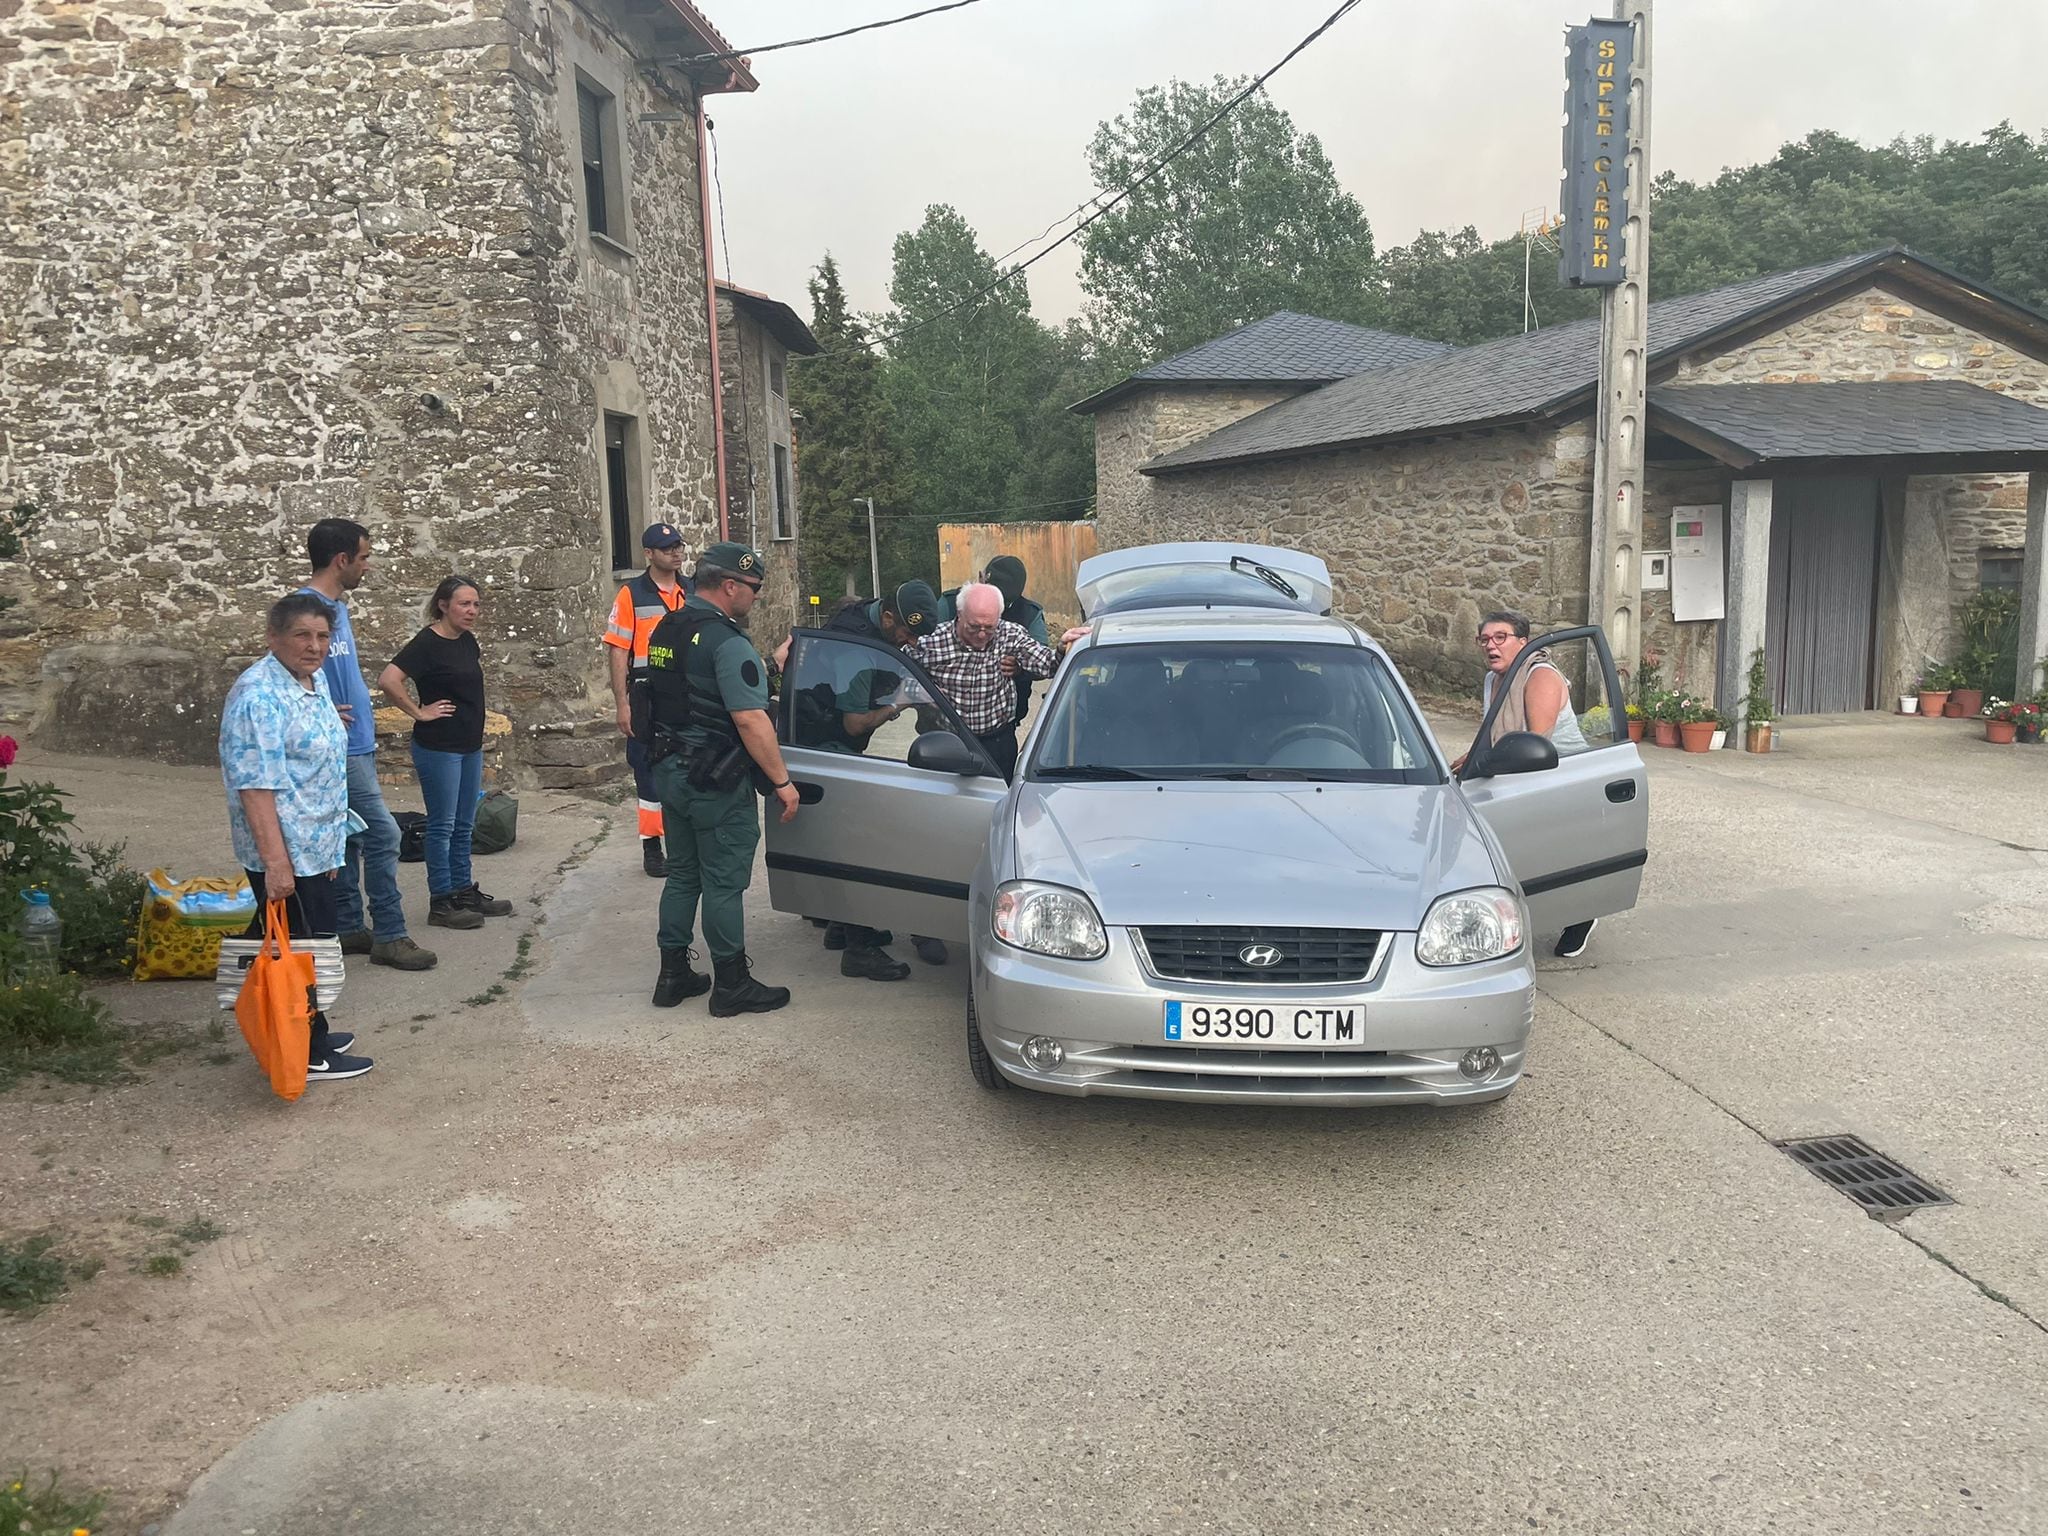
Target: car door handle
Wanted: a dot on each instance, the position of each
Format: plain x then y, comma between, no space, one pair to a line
1621,791
809,794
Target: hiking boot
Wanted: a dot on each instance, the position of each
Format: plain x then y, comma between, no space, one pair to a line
401,954
357,943
443,912
470,899
835,935
871,964
930,951
738,992
653,858
336,1066
677,980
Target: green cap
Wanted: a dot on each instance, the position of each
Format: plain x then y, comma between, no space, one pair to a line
1006,574
734,560
917,605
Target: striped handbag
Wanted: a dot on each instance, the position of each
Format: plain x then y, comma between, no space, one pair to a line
235,955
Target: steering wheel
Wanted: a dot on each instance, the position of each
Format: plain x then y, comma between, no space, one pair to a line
1315,728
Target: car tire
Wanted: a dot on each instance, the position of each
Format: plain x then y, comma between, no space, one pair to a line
979,1062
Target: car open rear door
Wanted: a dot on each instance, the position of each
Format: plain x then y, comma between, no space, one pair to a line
1576,835
875,840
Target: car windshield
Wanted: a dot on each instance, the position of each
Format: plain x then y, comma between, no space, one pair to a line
1268,711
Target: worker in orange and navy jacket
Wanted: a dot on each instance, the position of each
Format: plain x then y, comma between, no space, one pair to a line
641,604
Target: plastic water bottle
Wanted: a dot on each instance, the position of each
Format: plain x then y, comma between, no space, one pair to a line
42,933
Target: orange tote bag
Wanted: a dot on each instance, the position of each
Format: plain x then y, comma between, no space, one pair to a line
272,1007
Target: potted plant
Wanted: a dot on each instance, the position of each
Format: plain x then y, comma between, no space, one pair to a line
2026,719
1696,724
1757,713
1723,724
2002,720
1636,723
1664,718
1936,683
1909,703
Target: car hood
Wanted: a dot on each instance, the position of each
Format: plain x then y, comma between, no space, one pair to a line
1330,855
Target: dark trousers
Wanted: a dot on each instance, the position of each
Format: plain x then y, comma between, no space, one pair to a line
310,913
1002,746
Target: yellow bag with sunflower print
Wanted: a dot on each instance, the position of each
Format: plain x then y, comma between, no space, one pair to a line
183,922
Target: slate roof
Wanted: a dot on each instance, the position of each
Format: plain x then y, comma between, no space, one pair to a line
1747,424
1553,373
776,317
1283,348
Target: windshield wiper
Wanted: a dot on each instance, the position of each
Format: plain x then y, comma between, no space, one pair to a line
1280,775
1091,771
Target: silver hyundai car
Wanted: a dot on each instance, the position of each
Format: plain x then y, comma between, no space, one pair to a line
1234,864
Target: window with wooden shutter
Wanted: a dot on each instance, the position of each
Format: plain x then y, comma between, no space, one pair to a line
593,121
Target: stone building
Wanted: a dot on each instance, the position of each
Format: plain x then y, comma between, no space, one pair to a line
756,337
437,266
1869,430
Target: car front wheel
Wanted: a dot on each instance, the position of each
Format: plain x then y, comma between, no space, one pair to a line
978,1059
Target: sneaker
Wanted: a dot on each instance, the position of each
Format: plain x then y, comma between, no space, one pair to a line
334,1065
930,951
339,1041
357,943
1572,942
470,899
442,912
401,954
652,860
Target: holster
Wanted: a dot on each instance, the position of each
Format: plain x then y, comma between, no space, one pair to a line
717,767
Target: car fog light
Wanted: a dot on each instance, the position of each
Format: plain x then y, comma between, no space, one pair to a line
1042,1054
1479,1063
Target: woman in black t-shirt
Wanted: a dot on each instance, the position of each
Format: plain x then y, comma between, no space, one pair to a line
445,666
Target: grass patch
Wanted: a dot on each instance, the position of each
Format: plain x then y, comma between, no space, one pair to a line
47,1509
199,1230
54,1026
524,962
31,1275
485,998
163,1264
216,1032
219,1058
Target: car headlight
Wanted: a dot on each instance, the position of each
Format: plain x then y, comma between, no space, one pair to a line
1470,927
1049,920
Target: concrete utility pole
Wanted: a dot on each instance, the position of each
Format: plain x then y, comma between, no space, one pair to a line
874,561
1614,589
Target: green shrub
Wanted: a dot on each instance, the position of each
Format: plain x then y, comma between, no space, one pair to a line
52,1024
30,1275
99,899
45,1511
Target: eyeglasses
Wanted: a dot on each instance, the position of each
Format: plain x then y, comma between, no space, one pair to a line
751,586
1488,642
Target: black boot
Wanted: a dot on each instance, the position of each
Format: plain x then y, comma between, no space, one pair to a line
652,858
738,992
872,964
677,980
835,935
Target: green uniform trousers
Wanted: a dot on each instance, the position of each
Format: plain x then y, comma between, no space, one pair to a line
709,837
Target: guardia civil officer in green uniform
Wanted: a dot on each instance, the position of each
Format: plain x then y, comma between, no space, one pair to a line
713,742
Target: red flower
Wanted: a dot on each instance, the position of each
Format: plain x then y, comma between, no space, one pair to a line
8,747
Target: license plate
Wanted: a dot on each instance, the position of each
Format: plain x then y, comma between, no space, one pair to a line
1266,1024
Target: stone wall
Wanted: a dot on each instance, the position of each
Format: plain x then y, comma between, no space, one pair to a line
756,419
1686,654
277,260
1138,429
1421,538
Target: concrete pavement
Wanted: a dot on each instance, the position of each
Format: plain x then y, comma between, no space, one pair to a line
898,1303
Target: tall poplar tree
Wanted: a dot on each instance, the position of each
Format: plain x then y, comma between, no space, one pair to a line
845,447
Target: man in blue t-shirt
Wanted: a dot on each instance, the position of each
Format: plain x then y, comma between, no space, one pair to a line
340,553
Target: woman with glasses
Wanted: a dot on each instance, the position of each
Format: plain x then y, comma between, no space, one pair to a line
445,666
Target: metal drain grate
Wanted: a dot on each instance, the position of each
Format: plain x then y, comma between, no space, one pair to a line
1882,1187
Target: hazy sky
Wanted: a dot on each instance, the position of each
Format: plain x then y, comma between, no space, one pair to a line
1434,116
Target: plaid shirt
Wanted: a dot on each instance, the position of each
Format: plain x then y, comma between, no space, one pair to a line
973,681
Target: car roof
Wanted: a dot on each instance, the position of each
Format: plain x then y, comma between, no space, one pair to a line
1232,625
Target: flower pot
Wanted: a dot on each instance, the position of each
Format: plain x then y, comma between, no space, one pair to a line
1953,709
1697,737
1909,703
1720,740
2027,733
1932,703
1635,730
1757,738
1965,703
2000,731
1667,733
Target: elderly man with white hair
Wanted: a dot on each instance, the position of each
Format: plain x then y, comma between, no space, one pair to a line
975,661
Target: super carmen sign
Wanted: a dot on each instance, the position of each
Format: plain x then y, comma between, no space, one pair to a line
1594,202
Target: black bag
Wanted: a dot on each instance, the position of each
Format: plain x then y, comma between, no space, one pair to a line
412,836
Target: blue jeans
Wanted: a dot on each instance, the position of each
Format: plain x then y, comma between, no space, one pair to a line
371,859
450,782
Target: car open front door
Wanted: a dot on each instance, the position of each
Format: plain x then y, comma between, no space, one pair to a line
876,840
1577,833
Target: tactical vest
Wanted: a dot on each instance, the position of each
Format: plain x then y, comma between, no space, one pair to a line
682,677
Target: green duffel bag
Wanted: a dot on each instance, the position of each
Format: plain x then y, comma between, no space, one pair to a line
497,823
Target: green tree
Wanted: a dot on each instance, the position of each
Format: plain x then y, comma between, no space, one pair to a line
848,449
1247,221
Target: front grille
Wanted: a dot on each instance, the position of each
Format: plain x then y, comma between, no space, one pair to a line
1308,956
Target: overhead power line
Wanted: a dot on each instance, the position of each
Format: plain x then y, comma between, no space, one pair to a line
822,37
1158,164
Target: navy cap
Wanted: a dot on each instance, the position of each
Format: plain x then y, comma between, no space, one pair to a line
661,536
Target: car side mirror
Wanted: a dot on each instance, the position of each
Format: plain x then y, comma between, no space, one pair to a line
1516,752
943,752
